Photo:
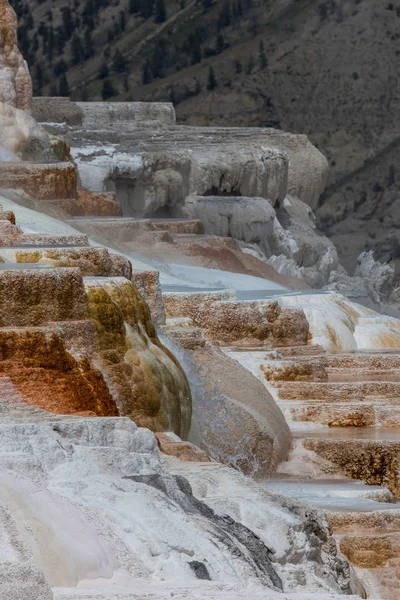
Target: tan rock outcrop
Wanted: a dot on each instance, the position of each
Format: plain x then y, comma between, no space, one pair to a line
227,320
32,297
15,81
92,262
300,371
375,462
42,181
172,445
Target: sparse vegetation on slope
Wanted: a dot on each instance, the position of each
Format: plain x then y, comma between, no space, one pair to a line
326,68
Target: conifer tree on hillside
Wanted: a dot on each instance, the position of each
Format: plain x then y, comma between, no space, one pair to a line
160,11
77,51
212,82
108,90
262,56
63,87
119,61
103,72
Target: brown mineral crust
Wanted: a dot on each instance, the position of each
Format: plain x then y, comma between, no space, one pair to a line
189,304
101,204
121,266
50,378
374,362
340,392
335,416
370,552
185,451
42,239
8,229
47,181
289,328
148,284
379,521
184,226
7,215
296,371
96,262
233,321
187,337
145,379
375,462
31,297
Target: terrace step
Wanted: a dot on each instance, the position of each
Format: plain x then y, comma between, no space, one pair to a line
341,392
42,239
352,414
44,181
127,229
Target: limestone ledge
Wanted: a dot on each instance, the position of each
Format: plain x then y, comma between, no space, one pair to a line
230,321
92,261
43,181
99,352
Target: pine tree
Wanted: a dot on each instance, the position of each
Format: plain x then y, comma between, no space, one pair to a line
134,6
77,52
103,71
225,16
63,87
60,67
108,90
212,82
122,20
160,11
250,64
220,44
261,56
119,61
238,67
67,23
88,42
147,73
195,49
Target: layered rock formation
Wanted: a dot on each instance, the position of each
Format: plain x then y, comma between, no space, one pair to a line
217,175
20,136
109,515
74,346
15,82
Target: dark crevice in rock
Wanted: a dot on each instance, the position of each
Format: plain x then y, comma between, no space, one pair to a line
239,540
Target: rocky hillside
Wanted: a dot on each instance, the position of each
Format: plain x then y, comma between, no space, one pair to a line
324,68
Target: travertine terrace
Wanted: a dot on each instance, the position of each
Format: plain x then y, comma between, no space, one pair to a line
168,367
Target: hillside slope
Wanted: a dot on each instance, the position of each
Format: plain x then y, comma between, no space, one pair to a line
324,68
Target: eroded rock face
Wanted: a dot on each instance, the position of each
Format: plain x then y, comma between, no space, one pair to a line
47,376
247,219
15,81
